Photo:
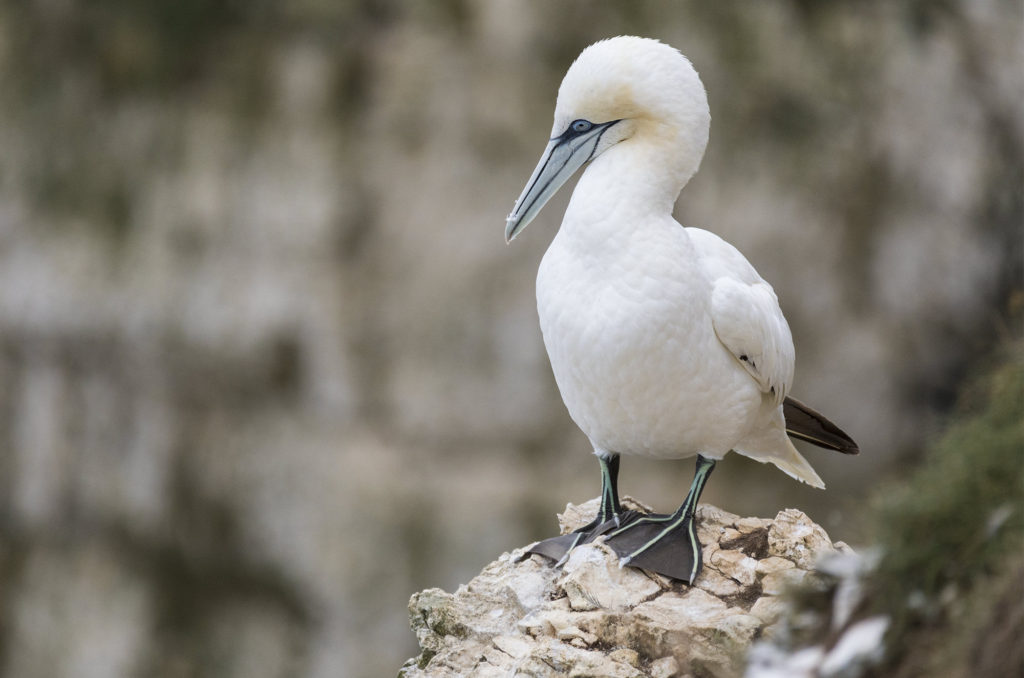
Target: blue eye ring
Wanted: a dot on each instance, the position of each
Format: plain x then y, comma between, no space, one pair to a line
581,126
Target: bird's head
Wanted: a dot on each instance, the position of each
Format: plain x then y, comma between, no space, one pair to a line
617,90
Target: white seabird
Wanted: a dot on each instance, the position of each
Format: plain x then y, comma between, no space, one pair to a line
664,340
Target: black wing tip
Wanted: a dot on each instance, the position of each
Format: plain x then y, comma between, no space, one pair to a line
822,432
844,446
853,449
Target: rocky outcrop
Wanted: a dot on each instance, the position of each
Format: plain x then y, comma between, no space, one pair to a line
525,617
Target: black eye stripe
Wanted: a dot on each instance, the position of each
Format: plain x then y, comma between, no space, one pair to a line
579,127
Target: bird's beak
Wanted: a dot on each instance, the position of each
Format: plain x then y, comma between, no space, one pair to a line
562,157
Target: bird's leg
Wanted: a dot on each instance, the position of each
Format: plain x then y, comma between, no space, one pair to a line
610,508
609,516
666,544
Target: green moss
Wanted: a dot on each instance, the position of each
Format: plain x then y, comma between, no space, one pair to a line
954,522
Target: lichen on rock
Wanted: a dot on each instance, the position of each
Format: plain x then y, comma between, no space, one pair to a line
524,617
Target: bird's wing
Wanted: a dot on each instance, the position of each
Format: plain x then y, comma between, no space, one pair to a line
746,315
749,322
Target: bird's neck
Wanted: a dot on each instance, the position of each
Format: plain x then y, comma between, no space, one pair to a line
636,181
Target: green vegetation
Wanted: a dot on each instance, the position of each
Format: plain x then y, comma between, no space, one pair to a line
953,535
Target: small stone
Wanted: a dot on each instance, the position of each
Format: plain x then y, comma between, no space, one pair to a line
736,565
709,547
624,655
695,626
561,659
471,653
716,584
666,667
673,611
844,548
711,522
772,564
534,624
557,618
664,582
529,583
776,583
577,515
489,671
513,646
795,537
548,620
570,633
747,525
593,580
729,534
713,516
768,609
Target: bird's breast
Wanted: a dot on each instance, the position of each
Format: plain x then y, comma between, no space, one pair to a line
632,347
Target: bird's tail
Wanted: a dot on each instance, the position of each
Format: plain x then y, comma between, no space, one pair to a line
774,446
794,464
803,423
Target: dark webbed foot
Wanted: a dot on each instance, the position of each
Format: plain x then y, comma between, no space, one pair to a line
609,517
660,544
664,544
554,548
557,548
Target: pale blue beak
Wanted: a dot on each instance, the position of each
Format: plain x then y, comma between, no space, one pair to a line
563,156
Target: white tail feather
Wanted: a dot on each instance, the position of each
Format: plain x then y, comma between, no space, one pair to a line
785,457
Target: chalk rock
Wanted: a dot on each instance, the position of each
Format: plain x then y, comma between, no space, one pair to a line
593,618
794,536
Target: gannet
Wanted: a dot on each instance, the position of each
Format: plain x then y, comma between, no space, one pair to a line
664,341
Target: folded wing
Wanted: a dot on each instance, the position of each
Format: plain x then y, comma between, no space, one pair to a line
749,322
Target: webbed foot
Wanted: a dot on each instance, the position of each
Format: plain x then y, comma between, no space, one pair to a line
558,548
660,544
664,544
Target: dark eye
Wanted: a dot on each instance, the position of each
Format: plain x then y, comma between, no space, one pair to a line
581,126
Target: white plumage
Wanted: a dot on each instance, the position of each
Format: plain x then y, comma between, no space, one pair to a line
664,340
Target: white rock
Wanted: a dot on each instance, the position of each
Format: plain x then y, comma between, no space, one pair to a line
593,618
674,611
736,565
624,655
717,584
794,536
768,609
666,667
772,564
747,525
776,583
578,515
572,632
513,645
593,580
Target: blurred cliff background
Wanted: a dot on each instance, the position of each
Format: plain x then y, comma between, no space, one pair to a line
267,366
